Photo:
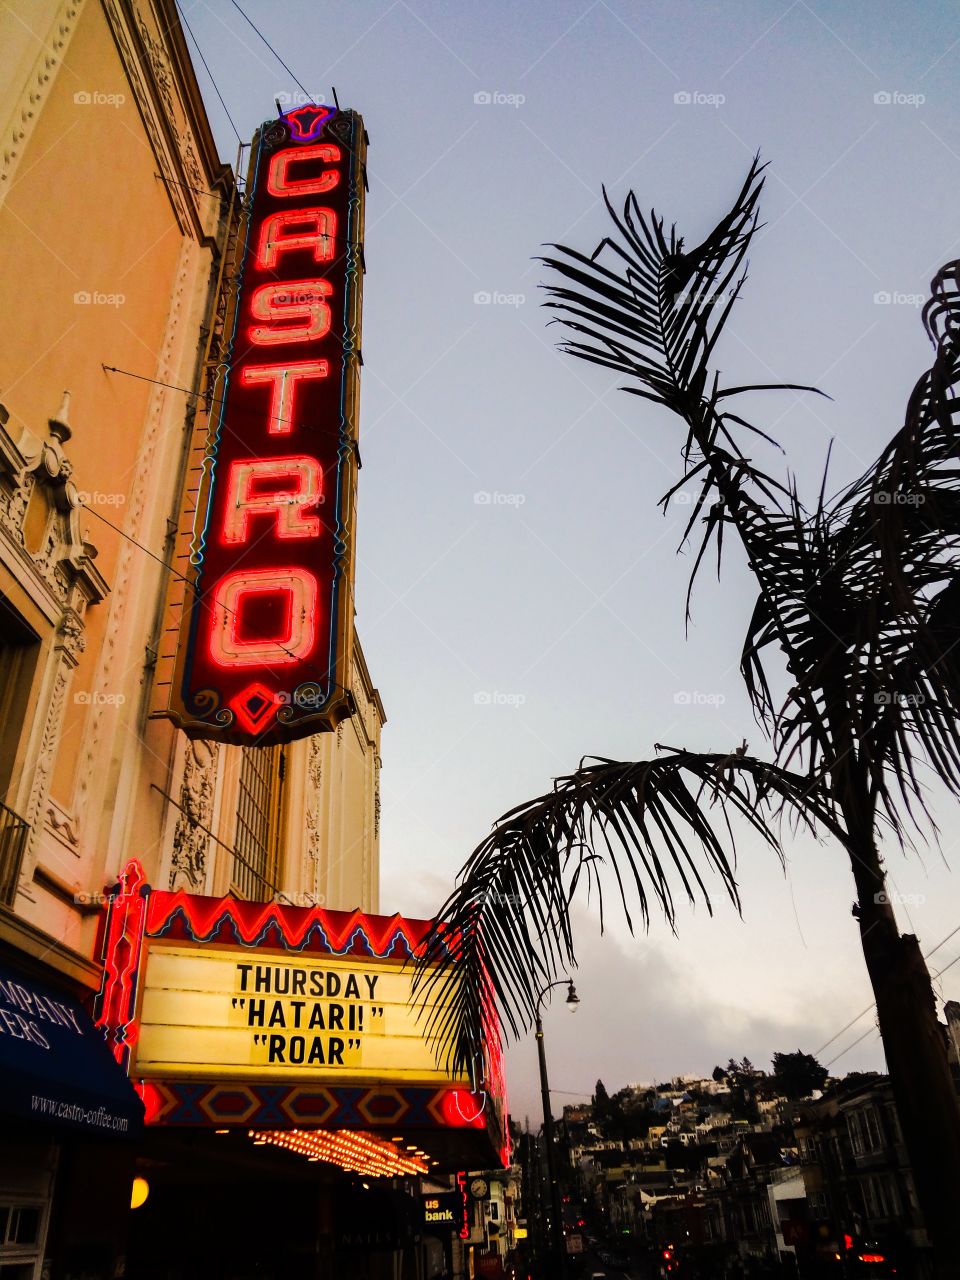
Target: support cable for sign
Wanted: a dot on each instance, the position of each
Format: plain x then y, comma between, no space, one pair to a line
335,688
257,875
261,36
200,191
196,395
196,45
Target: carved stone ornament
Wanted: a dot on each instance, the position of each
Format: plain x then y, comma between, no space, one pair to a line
42,547
190,841
311,816
36,491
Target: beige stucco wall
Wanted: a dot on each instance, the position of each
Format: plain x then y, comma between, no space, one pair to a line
82,213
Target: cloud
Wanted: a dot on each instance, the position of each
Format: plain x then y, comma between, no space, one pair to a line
649,1011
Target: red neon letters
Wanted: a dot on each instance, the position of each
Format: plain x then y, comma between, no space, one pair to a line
280,183
267,621
233,601
284,379
303,301
284,505
313,229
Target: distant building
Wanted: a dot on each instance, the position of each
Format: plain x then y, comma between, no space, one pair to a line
856,1173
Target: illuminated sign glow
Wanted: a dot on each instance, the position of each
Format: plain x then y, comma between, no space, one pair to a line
215,1012
275,1018
265,628
355,1152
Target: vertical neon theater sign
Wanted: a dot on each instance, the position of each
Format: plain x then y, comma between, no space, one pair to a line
265,632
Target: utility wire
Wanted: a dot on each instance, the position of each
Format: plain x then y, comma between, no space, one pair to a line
850,1046
872,1003
197,395
272,49
201,600
196,45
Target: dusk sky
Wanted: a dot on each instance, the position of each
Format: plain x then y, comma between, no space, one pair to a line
519,597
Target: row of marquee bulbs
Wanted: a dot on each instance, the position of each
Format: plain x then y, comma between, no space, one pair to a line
355,1152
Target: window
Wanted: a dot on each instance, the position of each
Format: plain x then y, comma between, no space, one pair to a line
864,1131
871,1130
880,1198
257,841
819,1204
19,647
23,1229
856,1137
893,1123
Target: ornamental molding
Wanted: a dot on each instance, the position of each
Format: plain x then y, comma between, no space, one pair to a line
43,549
312,812
35,90
188,868
40,539
126,601
146,44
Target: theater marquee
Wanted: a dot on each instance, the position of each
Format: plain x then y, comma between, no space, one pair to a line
215,1012
264,623
228,1013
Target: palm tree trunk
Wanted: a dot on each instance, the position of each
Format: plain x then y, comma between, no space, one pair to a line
916,1053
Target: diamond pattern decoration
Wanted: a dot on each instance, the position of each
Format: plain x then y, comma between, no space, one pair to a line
309,1106
254,706
383,1106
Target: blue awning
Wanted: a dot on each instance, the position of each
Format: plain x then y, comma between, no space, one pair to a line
55,1067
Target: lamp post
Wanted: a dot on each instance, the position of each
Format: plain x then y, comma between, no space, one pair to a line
556,1209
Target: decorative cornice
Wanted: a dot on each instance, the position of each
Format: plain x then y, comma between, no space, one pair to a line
63,564
29,940
35,91
166,92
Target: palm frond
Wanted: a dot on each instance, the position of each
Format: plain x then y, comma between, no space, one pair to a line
625,828
641,305
864,599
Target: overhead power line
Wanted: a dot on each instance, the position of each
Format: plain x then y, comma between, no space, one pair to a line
196,45
872,1004
272,49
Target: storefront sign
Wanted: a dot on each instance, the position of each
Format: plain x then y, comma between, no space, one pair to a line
442,1212
215,1012
275,1018
264,632
55,1069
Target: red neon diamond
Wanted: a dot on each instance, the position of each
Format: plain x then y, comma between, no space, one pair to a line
254,706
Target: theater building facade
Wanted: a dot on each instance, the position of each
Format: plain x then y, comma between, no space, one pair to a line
171,830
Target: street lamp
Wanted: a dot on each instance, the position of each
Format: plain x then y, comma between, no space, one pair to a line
556,1210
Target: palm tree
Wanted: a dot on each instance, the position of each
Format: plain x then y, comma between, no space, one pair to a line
858,597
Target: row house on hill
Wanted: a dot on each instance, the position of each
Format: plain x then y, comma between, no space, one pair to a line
857,1182
811,1187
